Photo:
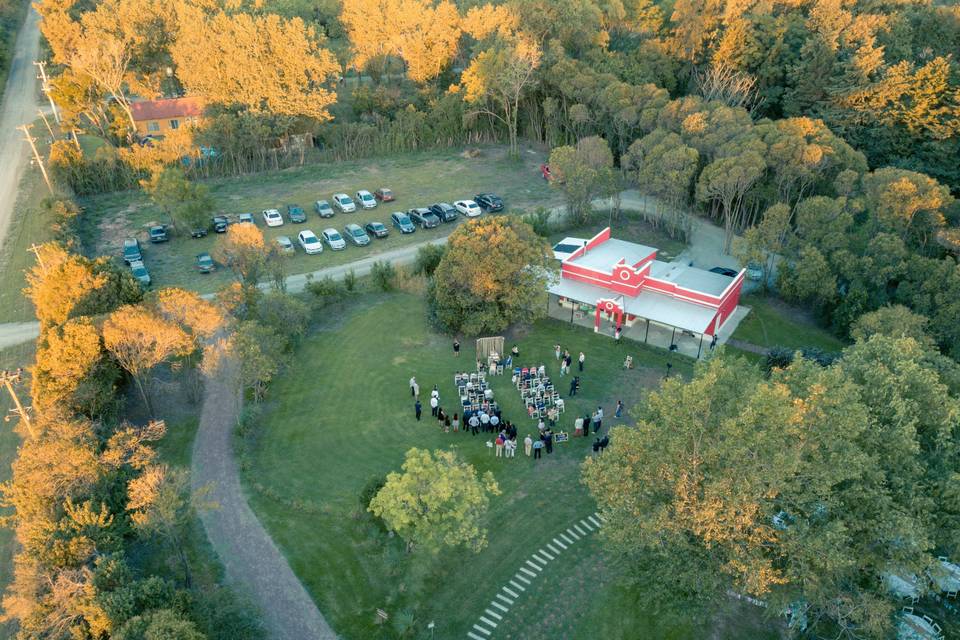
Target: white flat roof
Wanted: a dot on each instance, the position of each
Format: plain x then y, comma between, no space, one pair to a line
608,253
649,305
689,277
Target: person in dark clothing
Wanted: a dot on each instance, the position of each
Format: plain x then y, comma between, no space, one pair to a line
596,445
456,348
573,387
418,408
548,440
515,352
604,441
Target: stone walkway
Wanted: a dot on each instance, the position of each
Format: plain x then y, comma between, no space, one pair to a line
253,563
530,570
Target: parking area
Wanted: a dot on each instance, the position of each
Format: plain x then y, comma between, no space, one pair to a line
416,180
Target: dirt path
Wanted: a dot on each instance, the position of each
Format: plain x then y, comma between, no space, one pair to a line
19,107
252,561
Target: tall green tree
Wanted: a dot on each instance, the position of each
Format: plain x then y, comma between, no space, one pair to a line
438,501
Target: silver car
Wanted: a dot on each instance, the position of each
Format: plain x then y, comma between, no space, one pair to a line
356,235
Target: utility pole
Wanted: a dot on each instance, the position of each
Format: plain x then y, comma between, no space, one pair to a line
7,378
42,66
36,251
47,122
36,154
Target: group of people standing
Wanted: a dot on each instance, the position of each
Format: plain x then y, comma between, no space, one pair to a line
566,359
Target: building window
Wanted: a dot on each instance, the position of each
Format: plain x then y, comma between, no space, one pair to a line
174,124
153,126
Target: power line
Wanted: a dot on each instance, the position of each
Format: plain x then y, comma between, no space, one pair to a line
7,379
36,154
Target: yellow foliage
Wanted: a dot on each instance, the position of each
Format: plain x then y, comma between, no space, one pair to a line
423,33
485,20
263,62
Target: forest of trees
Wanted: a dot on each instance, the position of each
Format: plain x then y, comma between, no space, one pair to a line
822,135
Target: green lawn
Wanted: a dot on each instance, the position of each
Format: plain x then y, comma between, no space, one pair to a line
772,323
417,179
342,415
29,224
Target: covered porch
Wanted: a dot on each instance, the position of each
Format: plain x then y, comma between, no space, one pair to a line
650,318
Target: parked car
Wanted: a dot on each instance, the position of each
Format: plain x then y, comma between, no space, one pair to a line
755,271
323,209
205,263
402,222
343,202
333,239
140,272
198,232
284,244
367,201
424,217
246,218
356,235
131,250
295,213
310,242
489,201
220,224
468,208
444,211
724,271
376,229
384,195
158,233
272,218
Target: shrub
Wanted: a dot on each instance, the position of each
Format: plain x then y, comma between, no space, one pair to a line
326,288
540,221
383,275
350,281
428,258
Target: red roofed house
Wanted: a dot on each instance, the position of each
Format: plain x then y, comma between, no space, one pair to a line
622,285
156,117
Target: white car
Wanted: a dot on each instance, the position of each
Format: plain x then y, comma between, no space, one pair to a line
468,208
367,201
333,239
343,202
272,218
310,243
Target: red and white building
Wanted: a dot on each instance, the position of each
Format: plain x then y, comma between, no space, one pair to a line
625,287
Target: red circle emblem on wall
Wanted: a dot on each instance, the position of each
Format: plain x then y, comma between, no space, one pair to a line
624,274
609,305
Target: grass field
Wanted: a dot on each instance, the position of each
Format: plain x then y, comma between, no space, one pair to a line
342,415
29,224
419,179
773,323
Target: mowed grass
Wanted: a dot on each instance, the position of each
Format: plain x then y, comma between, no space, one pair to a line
342,415
29,224
773,323
417,179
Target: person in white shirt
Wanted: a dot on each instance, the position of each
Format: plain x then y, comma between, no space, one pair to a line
527,445
435,393
474,423
494,422
413,386
581,359
510,446
434,403
488,394
484,421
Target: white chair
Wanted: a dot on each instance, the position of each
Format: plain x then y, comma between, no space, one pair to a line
560,405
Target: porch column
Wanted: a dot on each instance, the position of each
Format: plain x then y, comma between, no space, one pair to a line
596,319
700,348
647,332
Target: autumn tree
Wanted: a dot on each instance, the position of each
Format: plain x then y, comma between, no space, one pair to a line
422,33
907,203
497,79
140,340
583,173
663,166
243,250
438,501
493,274
263,62
161,505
